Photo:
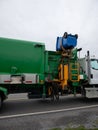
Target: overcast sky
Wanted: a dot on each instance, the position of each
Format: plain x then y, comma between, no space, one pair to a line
44,20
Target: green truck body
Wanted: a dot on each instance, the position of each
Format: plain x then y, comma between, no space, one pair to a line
21,59
28,67
17,56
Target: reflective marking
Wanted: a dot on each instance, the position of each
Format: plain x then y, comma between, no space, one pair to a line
7,81
47,112
28,81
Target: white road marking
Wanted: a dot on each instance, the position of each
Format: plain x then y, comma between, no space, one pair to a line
47,112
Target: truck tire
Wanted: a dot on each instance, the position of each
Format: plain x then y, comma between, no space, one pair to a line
0,102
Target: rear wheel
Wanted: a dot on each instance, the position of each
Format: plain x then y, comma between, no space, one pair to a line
0,101
83,92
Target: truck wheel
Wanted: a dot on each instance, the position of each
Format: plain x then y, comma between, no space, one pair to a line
0,102
83,92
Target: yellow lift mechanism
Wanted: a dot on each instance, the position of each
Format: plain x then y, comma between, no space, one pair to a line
63,75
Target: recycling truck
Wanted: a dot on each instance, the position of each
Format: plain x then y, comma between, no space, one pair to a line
27,67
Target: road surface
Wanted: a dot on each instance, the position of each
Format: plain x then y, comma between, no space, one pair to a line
19,113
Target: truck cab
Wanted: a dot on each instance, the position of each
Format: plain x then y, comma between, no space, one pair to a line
89,67
94,71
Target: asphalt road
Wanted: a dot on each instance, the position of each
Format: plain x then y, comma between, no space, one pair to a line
19,113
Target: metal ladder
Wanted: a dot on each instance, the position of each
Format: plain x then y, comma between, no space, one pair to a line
74,72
